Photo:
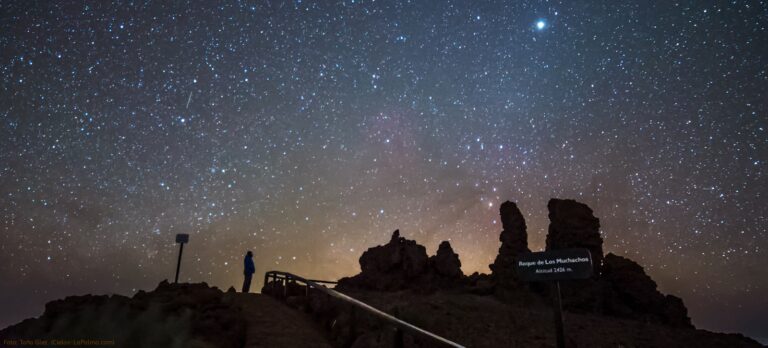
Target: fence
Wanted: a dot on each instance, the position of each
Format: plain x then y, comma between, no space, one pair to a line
272,278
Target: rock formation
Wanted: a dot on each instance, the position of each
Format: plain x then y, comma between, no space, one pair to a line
446,263
620,286
403,264
173,315
514,241
632,293
572,225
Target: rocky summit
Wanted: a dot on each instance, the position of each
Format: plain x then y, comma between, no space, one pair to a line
619,306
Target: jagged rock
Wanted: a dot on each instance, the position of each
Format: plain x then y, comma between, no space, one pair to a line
573,225
400,255
514,241
173,315
403,264
445,262
393,266
620,286
632,293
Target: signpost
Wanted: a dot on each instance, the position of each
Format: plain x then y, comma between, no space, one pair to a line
181,238
554,266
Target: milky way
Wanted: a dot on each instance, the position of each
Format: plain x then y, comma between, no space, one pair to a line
309,131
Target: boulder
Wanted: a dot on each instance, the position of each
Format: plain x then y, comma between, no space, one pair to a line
178,315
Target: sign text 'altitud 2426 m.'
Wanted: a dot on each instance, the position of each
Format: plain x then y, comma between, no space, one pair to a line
554,265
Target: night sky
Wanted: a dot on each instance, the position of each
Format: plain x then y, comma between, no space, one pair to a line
309,131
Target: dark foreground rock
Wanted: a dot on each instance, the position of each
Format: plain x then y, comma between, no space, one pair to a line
631,293
173,315
485,321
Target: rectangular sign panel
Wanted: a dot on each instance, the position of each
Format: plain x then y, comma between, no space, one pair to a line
182,238
560,264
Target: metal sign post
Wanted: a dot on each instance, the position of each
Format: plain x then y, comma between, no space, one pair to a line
558,308
181,238
554,266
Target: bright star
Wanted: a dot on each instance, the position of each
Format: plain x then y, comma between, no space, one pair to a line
541,24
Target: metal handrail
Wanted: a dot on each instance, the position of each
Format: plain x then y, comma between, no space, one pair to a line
405,326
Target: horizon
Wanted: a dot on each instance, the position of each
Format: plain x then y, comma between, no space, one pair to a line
308,131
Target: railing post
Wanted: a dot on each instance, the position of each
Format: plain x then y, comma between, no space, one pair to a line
285,288
352,325
398,339
558,307
274,284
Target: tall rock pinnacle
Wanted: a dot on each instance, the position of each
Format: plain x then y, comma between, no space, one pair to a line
573,225
514,241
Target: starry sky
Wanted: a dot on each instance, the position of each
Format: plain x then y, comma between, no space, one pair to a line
309,131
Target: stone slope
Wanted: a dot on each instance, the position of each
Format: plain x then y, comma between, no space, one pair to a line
173,315
485,321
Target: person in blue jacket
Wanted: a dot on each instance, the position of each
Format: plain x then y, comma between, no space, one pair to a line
250,269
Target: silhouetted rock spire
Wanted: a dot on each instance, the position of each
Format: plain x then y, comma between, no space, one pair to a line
573,225
446,262
514,241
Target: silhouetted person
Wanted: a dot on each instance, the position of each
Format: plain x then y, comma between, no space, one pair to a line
250,269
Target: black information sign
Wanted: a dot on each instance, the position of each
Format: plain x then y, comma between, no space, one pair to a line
563,264
554,266
182,238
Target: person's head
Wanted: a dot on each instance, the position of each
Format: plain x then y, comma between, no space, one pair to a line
249,254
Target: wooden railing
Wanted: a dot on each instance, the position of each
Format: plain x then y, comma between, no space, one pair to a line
273,278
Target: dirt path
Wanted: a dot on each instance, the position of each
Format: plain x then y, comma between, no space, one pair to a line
273,324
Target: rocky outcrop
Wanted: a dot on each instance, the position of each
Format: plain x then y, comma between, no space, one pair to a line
173,315
632,293
403,264
573,225
446,263
400,255
620,286
484,321
514,241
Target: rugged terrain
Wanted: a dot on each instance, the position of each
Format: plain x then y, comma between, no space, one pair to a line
173,315
619,306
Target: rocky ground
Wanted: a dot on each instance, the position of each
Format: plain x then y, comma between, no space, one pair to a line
173,315
484,321
195,315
